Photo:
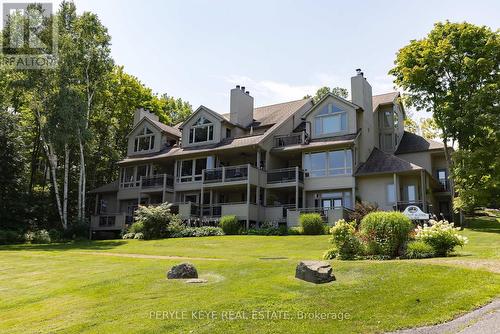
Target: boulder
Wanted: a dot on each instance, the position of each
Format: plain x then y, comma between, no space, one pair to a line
315,272
182,271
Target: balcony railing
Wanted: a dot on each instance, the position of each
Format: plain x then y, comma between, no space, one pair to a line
157,181
105,221
285,175
444,185
226,174
291,139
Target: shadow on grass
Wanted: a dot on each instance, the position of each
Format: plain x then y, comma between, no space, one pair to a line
80,245
483,224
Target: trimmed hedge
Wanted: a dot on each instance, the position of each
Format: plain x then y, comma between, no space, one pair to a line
230,225
312,224
385,233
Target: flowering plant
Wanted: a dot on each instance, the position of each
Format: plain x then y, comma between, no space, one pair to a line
441,235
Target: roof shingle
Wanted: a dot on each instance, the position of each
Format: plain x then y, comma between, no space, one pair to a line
411,143
380,162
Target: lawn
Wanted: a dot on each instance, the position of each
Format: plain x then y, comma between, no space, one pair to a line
73,288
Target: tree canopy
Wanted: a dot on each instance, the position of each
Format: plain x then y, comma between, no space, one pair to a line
453,73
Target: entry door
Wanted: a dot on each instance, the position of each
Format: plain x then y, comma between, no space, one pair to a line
193,198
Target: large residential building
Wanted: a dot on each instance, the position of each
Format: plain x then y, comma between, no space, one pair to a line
271,163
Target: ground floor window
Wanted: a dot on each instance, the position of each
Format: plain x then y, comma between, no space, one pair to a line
333,200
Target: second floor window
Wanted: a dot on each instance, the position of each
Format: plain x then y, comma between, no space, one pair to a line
328,163
201,131
145,141
329,120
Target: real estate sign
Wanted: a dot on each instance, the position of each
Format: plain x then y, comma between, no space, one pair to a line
415,213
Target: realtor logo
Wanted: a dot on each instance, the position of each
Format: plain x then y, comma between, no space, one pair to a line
29,38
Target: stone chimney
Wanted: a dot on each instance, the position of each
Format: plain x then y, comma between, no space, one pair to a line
241,107
141,113
361,93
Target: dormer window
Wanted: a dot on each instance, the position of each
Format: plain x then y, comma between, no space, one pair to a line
201,131
145,141
329,120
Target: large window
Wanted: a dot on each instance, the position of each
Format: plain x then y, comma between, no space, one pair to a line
145,141
201,131
328,163
330,119
192,169
131,176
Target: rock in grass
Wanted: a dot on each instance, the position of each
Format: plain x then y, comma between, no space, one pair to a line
182,271
315,272
196,280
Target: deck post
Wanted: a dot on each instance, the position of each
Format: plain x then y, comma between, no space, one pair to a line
296,187
248,202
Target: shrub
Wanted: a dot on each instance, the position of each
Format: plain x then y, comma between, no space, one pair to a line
204,231
418,250
345,240
10,237
154,220
441,236
330,254
56,235
361,209
294,231
230,225
312,223
175,227
77,230
267,231
136,227
385,233
38,237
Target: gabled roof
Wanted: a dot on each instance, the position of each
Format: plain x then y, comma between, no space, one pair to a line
380,162
341,99
201,108
411,143
224,144
107,188
387,98
159,125
275,113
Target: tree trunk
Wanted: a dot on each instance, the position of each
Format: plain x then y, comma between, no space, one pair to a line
66,179
52,159
82,182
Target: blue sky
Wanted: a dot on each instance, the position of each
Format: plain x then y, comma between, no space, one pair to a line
279,50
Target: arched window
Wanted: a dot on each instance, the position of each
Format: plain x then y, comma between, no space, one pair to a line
202,130
330,119
145,140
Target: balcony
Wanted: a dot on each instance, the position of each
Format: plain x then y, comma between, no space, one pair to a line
444,186
285,175
227,174
290,139
186,210
160,181
108,221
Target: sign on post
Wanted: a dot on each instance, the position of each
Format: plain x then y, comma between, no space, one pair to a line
415,213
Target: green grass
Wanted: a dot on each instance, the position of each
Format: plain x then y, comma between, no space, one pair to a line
54,288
